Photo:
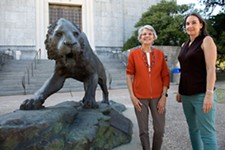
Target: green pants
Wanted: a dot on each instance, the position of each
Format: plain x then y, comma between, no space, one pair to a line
201,125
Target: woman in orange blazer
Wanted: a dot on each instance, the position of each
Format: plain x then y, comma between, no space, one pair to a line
148,80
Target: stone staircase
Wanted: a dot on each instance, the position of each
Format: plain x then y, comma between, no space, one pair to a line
11,75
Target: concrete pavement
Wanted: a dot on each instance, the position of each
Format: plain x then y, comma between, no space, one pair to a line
176,134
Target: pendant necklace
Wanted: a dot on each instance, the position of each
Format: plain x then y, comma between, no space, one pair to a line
147,59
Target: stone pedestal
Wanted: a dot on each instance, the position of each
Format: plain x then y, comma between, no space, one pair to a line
66,126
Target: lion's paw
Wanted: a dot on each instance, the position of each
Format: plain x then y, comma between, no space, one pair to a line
31,104
90,104
105,101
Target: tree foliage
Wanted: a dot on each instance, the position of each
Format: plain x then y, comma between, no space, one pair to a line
217,31
167,19
216,27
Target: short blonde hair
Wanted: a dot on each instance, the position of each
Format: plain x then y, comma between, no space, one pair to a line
149,27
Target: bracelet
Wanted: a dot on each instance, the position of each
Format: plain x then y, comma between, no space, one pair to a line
210,91
165,94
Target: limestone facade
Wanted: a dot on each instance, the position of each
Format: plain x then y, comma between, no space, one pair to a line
107,23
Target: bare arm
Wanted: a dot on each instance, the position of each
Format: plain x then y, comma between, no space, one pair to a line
137,104
162,102
129,84
210,53
178,96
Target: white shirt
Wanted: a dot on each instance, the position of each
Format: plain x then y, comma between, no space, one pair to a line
148,60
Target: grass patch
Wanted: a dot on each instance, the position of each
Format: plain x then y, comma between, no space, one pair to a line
220,95
220,76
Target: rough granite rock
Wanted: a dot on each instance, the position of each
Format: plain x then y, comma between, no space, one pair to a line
66,126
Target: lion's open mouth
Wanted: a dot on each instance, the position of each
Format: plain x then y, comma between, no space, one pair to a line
69,56
69,60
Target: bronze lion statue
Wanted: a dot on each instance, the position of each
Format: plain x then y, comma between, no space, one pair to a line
74,58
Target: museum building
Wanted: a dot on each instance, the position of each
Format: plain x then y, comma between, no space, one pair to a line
107,23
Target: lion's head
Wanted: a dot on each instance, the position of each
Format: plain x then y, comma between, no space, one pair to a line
65,42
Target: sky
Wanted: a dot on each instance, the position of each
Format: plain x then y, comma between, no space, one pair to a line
179,2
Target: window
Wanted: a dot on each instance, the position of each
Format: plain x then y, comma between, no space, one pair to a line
72,13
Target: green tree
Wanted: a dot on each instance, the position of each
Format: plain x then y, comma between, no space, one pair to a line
216,29
167,19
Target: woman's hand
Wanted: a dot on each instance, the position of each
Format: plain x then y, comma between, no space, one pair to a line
208,102
137,104
178,98
162,104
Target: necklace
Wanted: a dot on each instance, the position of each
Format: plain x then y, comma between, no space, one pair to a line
145,59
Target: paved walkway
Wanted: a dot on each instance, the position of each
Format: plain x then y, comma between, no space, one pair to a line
176,135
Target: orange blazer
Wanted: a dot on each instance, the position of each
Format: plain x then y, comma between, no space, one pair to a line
148,84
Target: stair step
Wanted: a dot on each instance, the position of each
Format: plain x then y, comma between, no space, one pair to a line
11,75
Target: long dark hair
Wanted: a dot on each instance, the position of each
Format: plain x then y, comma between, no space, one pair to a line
201,20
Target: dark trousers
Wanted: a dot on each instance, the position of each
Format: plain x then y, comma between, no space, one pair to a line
158,124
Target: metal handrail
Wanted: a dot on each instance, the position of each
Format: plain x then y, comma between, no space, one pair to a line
29,72
5,56
122,56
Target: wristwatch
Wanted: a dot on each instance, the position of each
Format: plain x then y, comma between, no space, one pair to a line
165,94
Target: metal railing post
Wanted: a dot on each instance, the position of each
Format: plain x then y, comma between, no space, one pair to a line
28,76
32,69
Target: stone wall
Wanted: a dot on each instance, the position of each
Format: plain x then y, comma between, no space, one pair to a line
19,51
171,54
17,26
114,20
